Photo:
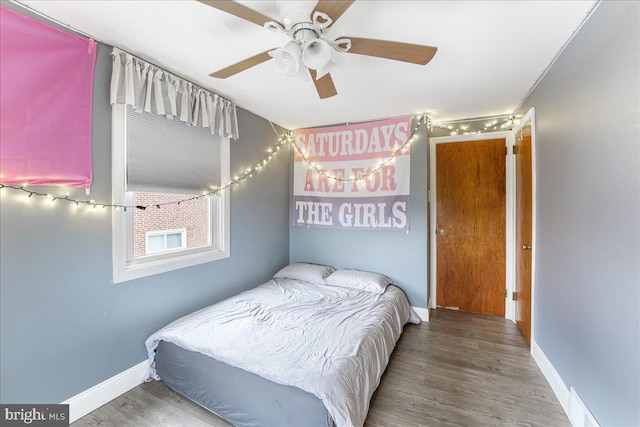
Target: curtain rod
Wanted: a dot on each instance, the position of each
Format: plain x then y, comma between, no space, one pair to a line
55,21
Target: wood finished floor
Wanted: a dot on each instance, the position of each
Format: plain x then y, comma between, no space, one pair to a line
460,369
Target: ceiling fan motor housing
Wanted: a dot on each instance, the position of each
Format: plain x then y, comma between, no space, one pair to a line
314,51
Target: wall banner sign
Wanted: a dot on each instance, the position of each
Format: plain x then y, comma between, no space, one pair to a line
380,201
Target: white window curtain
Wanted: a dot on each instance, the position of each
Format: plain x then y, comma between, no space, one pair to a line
150,89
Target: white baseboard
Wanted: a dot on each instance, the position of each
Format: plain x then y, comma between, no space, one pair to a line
93,398
579,413
423,313
553,378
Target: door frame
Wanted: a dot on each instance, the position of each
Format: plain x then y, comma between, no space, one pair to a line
530,116
509,138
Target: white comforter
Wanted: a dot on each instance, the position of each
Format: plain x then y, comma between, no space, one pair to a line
330,341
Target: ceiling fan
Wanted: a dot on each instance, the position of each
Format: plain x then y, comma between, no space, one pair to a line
310,48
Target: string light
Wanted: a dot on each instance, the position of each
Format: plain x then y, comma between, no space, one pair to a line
237,179
215,190
489,126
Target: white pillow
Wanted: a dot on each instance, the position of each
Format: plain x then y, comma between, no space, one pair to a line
362,280
313,273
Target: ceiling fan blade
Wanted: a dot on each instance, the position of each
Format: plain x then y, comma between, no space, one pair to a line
406,52
239,10
242,65
324,85
333,8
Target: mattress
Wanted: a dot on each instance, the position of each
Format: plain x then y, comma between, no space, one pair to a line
332,343
240,397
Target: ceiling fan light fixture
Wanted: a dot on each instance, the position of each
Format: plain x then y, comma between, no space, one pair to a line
287,58
316,54
308,48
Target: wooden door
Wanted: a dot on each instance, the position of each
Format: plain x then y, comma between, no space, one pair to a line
471,226
524,207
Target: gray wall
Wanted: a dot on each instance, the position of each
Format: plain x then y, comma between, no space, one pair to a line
401,256
65,327
588,237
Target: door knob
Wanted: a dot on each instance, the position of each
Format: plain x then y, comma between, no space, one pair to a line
441,232
525,247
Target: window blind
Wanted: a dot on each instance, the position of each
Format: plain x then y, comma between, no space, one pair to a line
169,156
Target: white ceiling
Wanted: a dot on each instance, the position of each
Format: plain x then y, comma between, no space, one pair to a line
489,53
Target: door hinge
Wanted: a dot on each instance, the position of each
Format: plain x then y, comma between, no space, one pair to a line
514,149
506,150
506,293
514,296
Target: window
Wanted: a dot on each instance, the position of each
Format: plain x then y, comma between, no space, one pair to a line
164,241
192,217
162,167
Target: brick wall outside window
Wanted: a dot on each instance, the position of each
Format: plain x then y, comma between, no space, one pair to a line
192,215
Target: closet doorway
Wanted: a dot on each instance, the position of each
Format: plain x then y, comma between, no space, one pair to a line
523,292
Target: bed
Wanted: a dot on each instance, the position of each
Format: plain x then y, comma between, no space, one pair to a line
306,348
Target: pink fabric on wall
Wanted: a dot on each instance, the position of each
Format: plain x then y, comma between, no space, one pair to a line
46,84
